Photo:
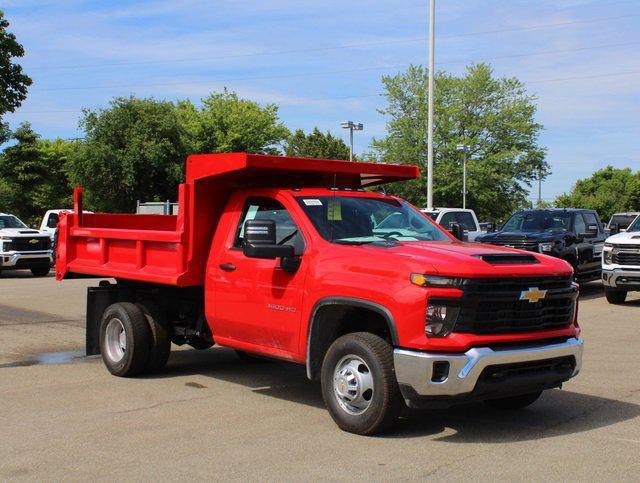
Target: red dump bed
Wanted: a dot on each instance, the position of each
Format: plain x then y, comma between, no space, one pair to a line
173,249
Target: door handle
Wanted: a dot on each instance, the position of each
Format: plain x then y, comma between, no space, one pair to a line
227,267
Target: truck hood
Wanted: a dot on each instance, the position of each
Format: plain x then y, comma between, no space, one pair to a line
540,236
20,232
461,259
632,238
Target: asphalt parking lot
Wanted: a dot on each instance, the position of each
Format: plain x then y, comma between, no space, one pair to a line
209,415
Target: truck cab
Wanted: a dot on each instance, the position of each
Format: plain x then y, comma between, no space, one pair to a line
619,222
466,218
621,263
22,247
574,235
291,258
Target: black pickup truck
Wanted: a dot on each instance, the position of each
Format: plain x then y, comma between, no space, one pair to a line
575,235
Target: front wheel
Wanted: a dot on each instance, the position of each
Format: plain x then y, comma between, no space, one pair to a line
615,296
40,271
514,402
359,386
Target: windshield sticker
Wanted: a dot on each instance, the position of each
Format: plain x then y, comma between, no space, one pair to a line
313,202
334,210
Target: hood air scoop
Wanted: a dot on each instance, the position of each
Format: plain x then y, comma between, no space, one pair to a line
507,258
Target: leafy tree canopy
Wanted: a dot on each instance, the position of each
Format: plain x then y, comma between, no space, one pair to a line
607,191
135,149
493,116
32,174
13,82
227,123
315,145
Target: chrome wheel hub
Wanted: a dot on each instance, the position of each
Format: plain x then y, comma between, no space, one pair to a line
353,384
115,340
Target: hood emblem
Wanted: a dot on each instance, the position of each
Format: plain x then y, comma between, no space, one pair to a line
33,241
533,295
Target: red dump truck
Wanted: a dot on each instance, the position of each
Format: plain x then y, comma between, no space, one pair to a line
295,259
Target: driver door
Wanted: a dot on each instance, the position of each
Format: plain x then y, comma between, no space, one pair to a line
257,302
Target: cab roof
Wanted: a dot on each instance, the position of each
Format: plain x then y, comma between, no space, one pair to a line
243,169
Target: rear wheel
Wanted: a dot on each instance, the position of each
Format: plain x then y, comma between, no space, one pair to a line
514,402
125,339
160,347
40,271
615,296
359,385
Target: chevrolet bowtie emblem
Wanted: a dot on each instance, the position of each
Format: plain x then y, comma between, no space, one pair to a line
33,241
533,295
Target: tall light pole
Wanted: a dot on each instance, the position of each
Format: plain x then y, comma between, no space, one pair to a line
351,126
464,148
432,24
540,187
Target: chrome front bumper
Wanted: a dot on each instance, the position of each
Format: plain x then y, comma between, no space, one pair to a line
628,278
414,369
9,260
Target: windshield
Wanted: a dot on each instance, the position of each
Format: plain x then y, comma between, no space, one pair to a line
527,221
355,220
635,226
10,221
623,221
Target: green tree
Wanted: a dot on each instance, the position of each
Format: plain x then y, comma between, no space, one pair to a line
134,149
607,191
316,145
227,123
13,82
33,174
493,116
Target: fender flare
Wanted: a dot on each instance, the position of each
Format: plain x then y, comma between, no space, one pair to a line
353,302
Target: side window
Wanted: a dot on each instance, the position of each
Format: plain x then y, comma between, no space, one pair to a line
579,224
260,208
466,220
591,219
447,219
53,220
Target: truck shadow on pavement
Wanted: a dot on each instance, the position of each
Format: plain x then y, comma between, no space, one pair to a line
556,413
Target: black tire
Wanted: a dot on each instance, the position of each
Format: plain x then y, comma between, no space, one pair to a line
513,402
40,271
251,358
160,348
615,296
385,401
137,337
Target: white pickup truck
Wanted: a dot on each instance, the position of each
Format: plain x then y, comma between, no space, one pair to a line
466,218
621,263
23,248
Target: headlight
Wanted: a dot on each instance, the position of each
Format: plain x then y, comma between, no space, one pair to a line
435,281
545,247
440,319
607,256
609,245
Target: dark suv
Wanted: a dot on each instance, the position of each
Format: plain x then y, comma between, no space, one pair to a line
575,235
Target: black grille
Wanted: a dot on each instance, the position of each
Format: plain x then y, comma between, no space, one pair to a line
626,257
28,244
559,365
531,246
493,305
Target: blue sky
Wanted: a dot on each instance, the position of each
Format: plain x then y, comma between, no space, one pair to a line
322,61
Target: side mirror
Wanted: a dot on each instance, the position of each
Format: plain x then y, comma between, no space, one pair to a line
592,231
614,229
456,230
260,242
